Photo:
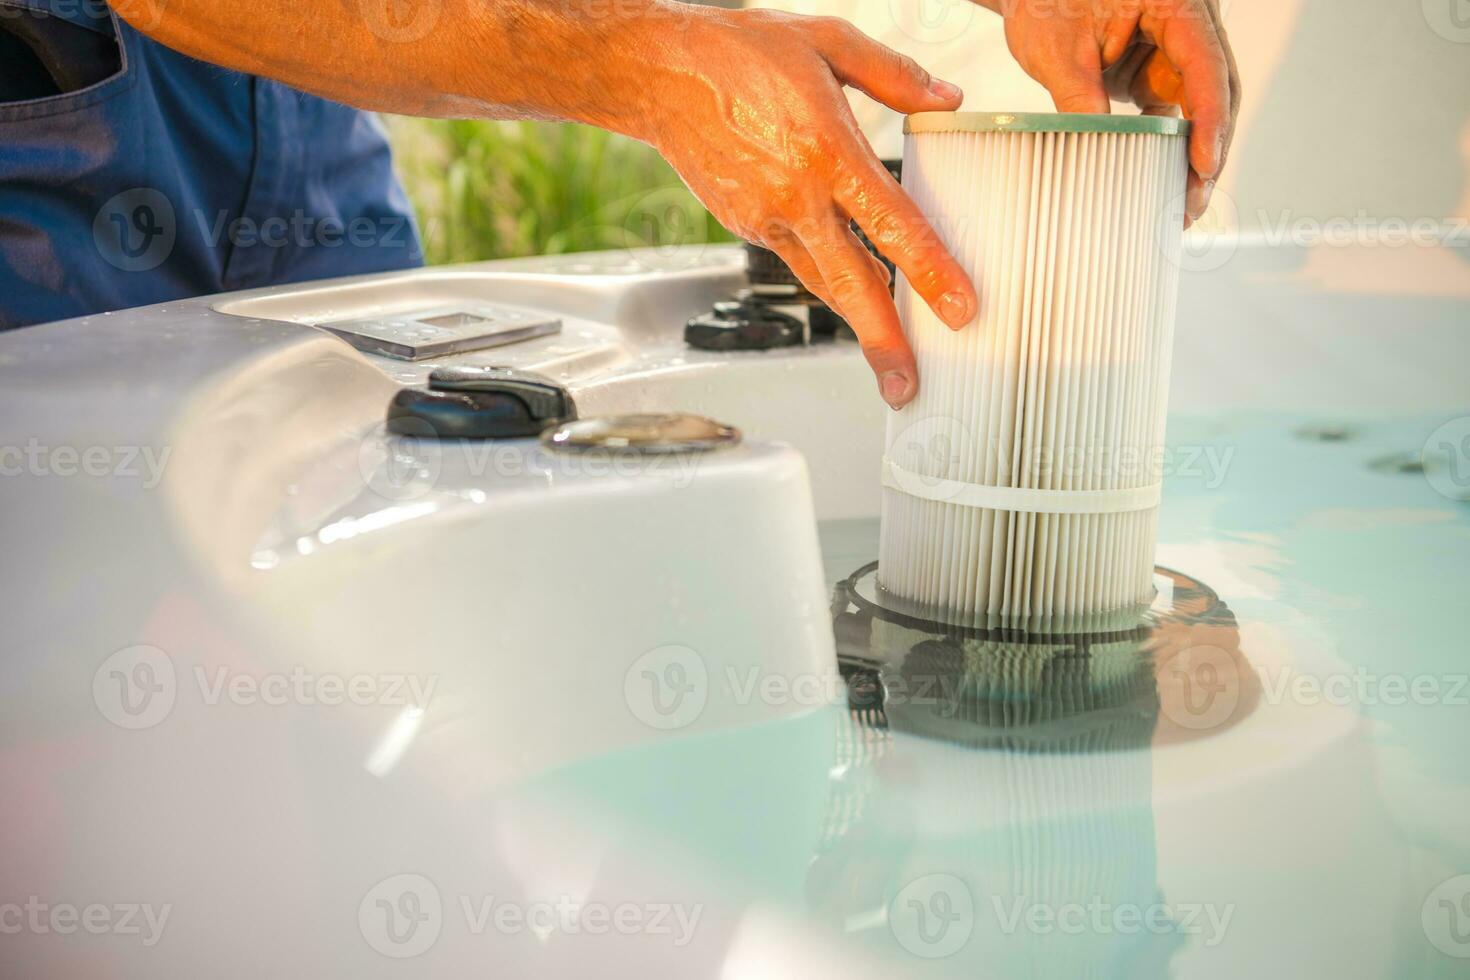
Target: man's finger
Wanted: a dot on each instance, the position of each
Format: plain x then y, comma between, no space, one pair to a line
1156,84
896,228
863,300
877,70
1196,52
1072,73
881,269
796,257
1234,76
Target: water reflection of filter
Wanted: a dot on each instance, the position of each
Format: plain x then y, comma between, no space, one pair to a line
1032,826
1009,842
1023,478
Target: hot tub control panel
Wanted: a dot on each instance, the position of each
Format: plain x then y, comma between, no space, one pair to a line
448,330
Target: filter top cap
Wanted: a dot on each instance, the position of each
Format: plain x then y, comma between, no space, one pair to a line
1042,122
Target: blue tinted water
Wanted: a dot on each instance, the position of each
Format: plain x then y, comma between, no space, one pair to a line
1292,798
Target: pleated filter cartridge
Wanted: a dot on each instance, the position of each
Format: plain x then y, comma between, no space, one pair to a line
1022,483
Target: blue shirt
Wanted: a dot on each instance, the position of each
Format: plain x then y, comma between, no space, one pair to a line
171,177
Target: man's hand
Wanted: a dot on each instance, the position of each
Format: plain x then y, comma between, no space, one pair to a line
746,104
1158,54
756,123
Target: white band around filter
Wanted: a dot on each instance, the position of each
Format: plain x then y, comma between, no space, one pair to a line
1022,499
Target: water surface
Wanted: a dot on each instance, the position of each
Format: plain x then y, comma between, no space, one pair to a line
1283,790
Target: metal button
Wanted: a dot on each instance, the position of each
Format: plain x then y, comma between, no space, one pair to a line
642,434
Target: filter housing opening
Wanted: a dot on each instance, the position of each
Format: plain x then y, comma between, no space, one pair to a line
1105,683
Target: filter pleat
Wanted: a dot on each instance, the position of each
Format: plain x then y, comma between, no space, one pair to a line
1060,387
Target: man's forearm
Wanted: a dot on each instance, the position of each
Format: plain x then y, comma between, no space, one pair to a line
593,61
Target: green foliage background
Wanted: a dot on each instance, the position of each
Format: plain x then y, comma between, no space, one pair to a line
492,189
